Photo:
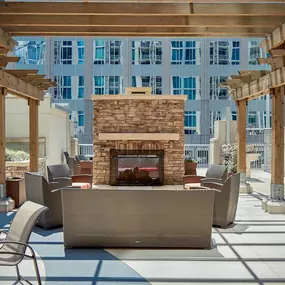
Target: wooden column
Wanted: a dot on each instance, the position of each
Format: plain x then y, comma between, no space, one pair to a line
241,137
277,157
34,135
3,92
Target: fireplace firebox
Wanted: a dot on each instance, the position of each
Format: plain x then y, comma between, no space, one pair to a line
137,167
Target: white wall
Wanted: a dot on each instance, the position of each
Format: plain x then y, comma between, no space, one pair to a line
53,126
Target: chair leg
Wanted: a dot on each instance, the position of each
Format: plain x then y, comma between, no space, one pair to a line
18,273
37,270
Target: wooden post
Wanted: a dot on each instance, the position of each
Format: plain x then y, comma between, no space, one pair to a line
277,157
241,145
34,135
3,92
241,136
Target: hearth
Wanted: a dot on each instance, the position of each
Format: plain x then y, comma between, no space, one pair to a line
137,167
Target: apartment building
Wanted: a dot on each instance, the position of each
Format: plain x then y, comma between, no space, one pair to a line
194,67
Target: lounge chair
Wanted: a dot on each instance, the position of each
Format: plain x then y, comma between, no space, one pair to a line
215,173
14,246
39,190
60,172
226,200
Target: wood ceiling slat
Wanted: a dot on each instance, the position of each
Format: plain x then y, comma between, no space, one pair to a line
140,30
4,60
3,51
68,8
105,21
21,73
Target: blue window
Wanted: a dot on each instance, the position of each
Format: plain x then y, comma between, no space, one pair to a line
80,118
30,52
190,119
148,81
99,52
190,52
146,52
81,87
99,84
176,52
66,52
186,85
80,45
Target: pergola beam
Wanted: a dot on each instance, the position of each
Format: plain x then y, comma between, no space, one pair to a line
141,19
6,41
261,86
143,8
276,40
18,87
21,73
150,26
4,60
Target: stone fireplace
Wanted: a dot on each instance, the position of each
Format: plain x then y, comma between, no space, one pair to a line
138,138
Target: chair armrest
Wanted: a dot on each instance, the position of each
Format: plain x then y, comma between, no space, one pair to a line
60,183
18,253
192,178
210,179
213,185
86,178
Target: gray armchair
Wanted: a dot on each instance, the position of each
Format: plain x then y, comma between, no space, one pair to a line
39,190
61,172
226,200
215,173
74,166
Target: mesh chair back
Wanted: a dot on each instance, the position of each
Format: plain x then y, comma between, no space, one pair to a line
22,226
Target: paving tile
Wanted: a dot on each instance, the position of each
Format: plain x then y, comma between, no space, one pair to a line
269,251
204,283
217,238
219,270
245,251
226,252
233,238
264,238
278,267
262,270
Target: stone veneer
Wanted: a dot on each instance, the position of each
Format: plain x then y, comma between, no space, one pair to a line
134,114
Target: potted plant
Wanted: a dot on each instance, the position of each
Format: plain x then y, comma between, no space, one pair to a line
15,186
230,158
190,166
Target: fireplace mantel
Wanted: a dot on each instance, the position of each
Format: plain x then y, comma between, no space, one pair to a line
138,136
138,97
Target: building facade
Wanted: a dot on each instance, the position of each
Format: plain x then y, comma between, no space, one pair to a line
194,67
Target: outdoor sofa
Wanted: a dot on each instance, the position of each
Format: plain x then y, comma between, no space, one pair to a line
137,218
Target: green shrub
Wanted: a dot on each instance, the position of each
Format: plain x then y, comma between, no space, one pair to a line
16,155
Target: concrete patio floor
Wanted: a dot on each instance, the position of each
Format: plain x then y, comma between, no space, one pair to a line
251,251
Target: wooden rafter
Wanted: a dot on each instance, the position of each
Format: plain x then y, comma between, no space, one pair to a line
6,41
142,8
277,52
4,60
3,51
260,86
21,73
18,87
141,19
276,40
274,62
30,76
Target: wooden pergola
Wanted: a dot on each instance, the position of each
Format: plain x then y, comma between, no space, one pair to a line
169,18
26,84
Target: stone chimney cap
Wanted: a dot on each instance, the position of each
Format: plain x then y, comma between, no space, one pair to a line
138,90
